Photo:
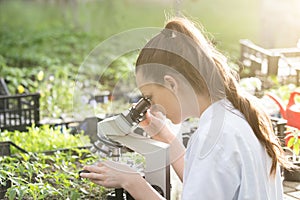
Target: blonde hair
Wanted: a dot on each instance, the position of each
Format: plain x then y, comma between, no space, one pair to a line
194,57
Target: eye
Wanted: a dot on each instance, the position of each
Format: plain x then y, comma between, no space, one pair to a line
148,97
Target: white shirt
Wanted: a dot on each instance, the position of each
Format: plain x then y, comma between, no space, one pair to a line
225,160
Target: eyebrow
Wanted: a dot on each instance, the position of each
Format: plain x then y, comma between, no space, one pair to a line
147,96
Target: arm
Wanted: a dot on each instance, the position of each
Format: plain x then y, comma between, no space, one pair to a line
143,191
155,126
115,175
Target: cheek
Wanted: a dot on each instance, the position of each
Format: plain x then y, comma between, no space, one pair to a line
172,106
174,114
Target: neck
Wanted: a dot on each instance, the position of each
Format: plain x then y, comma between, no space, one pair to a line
204,102
195,106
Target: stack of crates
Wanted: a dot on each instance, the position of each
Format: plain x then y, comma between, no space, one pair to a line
18,111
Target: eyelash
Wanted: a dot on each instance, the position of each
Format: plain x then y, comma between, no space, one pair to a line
148,97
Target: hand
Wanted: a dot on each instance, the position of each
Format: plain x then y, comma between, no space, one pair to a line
115,175
155,125
110,174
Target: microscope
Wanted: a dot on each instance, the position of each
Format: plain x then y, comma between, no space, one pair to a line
118,134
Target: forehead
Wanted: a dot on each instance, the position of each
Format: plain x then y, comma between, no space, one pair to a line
146,87
149,88
142,80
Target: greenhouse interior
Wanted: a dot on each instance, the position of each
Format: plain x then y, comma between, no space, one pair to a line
73,99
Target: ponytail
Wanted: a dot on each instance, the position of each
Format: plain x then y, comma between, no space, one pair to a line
258,120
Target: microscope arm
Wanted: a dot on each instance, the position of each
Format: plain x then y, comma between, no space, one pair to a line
156,154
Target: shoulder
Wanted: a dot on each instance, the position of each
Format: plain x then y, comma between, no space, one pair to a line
223,131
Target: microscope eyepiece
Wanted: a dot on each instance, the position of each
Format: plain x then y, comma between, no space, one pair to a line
118,125
138,111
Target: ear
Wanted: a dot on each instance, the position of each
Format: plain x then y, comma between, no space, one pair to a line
171,83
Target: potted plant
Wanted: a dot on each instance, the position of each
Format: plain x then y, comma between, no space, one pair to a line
292,141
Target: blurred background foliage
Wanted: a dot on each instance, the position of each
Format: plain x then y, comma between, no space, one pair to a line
43,42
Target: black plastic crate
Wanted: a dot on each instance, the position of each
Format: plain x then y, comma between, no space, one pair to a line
3,189
19,111
5,148
3,87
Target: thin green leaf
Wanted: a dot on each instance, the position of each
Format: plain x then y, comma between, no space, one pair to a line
296,149
291,142
12,193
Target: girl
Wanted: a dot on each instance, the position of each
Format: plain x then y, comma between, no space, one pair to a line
233,154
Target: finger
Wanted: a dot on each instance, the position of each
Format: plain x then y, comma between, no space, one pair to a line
157,108
157,119
147,119
103,183
93,176
96,169
159,115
